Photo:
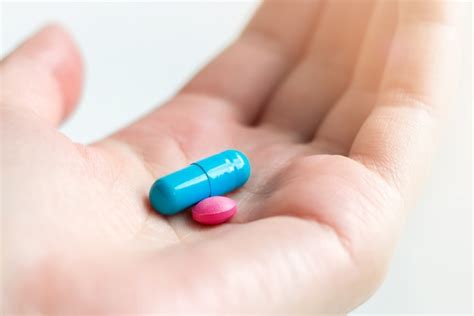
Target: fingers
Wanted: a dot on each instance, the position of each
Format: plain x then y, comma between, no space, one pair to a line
43,75
322,75
246,73
339,128
397,137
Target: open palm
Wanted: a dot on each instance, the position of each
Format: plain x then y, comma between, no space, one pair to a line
334,102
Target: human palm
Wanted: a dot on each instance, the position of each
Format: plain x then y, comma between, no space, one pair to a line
333,104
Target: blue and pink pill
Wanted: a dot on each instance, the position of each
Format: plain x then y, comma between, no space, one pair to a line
210,177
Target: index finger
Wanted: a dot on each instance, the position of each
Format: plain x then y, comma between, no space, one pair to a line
246,72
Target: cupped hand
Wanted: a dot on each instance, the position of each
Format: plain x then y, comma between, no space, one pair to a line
336,104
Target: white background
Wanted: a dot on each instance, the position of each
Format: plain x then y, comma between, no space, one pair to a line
137,54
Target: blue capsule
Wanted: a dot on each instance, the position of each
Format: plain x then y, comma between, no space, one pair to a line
216,175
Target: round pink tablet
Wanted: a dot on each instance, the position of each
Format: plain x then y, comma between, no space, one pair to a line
214,210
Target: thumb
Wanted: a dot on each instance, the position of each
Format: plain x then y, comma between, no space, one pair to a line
43,75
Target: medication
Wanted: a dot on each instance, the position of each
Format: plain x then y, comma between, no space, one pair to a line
215,175
214,210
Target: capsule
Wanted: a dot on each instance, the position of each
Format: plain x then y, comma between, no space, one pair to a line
215,175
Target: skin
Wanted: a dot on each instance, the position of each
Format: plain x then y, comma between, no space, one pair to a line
338,120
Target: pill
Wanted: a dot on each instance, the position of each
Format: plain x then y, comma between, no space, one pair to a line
215,175
214,210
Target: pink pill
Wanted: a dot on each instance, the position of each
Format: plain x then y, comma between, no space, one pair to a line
214,210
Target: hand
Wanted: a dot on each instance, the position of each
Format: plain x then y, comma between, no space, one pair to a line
336,105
